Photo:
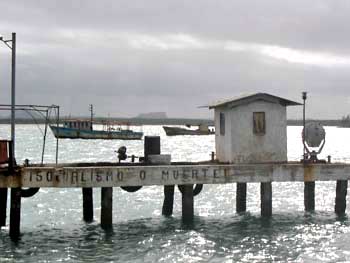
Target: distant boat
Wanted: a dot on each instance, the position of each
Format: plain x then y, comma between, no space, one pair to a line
202,130
82,129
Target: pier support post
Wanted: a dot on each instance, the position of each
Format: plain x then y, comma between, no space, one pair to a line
88,206
266,199
187,204
106,207
340,198
3,206
15,213
152,146
168,200
241,197
309,196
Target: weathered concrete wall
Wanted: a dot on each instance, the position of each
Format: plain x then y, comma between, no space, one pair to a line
241,145
173,175
222,153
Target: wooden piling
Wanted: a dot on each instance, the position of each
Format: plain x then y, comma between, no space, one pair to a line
168,200
241,197
266,199
3,206
106,207
309,196
88,206
340,198
187,204
15,213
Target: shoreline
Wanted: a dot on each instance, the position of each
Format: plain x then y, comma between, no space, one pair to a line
167,121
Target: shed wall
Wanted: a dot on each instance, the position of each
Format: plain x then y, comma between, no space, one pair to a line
241,145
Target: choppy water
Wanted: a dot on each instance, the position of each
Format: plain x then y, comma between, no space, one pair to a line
53,230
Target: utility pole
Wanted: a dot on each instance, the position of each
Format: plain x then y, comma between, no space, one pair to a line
13,86
91,108
304,95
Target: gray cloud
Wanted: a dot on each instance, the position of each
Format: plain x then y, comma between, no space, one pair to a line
128,57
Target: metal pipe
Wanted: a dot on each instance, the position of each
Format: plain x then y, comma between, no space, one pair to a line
30,105
57,123
304,95
44,139
13,92
92,115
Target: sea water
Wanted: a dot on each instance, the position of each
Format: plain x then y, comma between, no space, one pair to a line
53,230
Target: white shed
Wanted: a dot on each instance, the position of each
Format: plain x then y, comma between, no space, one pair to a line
251,129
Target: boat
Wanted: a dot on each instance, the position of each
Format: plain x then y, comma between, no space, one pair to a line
202,130
83,129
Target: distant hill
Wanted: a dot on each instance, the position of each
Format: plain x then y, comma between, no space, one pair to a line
152,115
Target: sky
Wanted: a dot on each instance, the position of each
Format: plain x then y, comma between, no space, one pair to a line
130,57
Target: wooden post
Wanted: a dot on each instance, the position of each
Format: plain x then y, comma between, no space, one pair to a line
340,198
15,213
3,206
266,199
88,206
168,200
241,197
309,196
106,207
187,204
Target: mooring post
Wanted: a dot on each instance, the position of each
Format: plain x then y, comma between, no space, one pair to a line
88,206
241,197
4,158
266,199
340,198
15,213
106,207
187,204
309,196
168,200
3,206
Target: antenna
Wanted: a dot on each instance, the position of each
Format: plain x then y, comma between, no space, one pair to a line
91,108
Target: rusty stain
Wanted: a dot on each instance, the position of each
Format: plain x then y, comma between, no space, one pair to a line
309,175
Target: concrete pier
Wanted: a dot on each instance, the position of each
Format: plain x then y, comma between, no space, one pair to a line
241,197
340,198
187,204
15,214
168,203
266,199
309,196
3,206
88,206
107,176
106,207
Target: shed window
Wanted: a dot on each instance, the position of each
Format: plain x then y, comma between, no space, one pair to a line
222,123
259,124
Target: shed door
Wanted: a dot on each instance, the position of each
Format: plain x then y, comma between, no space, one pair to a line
259,124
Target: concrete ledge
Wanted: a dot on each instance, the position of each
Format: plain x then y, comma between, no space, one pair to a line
112,176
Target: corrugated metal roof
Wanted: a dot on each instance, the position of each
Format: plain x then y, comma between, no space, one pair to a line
247,98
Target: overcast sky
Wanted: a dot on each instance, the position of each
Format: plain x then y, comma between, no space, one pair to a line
128,57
